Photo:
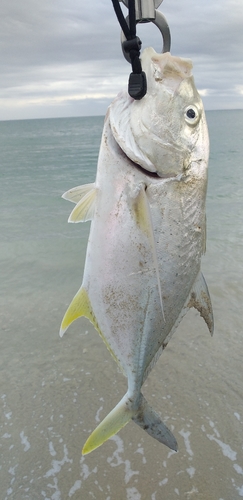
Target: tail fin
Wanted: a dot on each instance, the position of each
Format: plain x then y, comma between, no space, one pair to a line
151,422
115,420
142,414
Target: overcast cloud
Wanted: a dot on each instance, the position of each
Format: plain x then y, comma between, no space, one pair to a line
63,58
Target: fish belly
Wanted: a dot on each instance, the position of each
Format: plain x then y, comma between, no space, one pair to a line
120,276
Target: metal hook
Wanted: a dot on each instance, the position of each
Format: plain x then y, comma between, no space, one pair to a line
159,21
145,9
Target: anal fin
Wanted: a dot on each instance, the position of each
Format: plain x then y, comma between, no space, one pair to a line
80,306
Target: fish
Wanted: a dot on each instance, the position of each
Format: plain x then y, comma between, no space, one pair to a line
148,233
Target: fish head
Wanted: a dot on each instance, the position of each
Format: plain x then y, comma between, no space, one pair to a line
166,131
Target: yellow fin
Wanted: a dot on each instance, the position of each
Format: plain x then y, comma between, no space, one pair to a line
117,418
80,306
77,193
142,414
141,213
85,208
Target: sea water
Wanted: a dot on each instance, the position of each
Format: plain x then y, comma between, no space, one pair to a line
55,391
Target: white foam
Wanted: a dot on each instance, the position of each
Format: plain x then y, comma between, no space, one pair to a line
211,423
57,464
129,472
57,494
237,416
133,494
191,471
141,450
97,416
11,470
238,488
116,459
85,471
116,454
186,435
75,487
226,449
164,481
51,449
238,469
24,441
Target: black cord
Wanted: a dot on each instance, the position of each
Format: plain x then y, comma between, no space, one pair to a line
121,19
137,85
132,17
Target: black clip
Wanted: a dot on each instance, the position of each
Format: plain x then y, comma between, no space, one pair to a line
137,85
132,44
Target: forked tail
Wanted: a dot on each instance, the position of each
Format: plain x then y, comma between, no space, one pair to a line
125,410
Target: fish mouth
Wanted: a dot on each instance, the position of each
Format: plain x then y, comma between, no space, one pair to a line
154,175
142,169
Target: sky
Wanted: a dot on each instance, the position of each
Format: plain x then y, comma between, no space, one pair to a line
62,58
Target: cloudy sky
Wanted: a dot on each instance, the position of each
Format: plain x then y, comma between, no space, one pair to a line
63,57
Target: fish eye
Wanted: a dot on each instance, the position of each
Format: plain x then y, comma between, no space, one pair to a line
192,115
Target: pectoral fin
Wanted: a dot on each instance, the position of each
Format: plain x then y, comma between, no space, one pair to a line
144,221
85,208
84,197
200,299
77,193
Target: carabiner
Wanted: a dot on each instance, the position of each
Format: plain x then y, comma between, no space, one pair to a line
161,23
146,12
140,11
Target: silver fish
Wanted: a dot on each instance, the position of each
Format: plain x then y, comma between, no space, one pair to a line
148,233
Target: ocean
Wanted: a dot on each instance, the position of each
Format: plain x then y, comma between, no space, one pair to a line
54,391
